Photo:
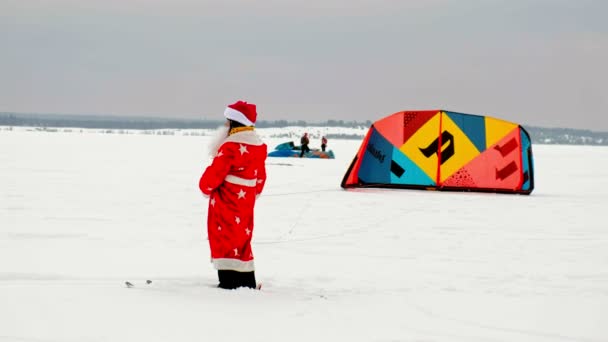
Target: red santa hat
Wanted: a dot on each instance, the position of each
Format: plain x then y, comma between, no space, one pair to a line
242,112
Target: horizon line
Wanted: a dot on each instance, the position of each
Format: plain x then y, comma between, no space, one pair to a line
102,117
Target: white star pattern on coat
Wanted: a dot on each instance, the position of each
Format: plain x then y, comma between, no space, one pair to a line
236,252
237,220
213,202
248,231
209,189
219,154
241,194
219,228
260,181
255,172
243,149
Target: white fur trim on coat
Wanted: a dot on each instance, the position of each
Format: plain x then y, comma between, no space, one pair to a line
245,137
233,264
241,181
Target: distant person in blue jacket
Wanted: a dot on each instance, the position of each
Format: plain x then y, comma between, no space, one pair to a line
304,141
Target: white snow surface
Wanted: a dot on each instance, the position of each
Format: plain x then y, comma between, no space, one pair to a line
81,212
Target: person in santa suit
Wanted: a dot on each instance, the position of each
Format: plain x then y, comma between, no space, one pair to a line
233,181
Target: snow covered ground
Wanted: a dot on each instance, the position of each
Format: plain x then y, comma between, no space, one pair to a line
81,213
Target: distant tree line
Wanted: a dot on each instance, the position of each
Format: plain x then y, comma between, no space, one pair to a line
109,122
77,121
539,135
567,136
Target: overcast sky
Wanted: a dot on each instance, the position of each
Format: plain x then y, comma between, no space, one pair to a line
541,63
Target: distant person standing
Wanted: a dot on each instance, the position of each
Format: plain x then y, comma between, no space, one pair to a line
323,143
233,181
304,141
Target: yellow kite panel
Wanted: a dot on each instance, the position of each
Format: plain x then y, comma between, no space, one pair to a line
423,137
497,129
464,149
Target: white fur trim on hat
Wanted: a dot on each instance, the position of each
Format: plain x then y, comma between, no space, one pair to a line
235,115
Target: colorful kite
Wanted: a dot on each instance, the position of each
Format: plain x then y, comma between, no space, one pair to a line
289,149
442,150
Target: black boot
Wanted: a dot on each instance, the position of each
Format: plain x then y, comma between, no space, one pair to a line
247,279
228,279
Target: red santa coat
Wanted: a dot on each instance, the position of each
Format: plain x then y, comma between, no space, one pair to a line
233,181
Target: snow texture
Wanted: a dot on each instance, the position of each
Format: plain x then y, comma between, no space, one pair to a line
83,212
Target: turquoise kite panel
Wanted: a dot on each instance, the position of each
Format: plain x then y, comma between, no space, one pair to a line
525,158
473,126
404,171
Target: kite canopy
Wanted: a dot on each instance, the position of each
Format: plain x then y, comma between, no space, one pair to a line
442,150
289,149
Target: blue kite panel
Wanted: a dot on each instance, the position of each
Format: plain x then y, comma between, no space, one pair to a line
525,147
473,126
376,162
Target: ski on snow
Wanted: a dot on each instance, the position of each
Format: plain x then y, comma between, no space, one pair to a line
130,284
148,282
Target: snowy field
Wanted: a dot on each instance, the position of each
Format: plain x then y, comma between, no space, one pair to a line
81,213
